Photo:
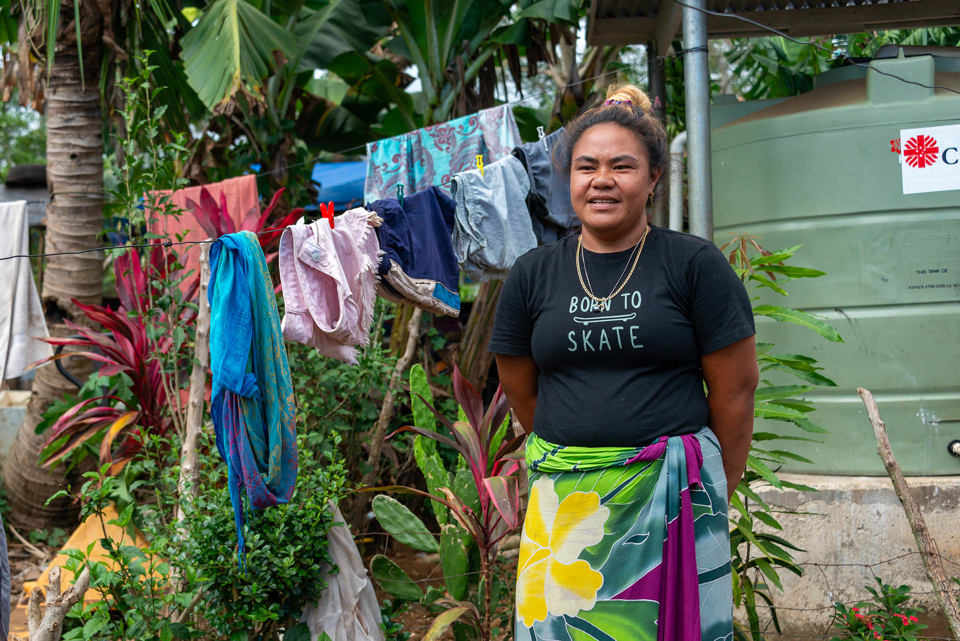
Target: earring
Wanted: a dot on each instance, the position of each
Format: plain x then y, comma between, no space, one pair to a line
650,200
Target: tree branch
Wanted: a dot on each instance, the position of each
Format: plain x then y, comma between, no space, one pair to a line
386,415
48,624
931,561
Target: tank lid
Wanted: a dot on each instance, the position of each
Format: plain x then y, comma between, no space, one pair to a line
901,79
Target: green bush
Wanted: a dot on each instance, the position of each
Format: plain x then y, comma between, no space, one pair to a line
286,547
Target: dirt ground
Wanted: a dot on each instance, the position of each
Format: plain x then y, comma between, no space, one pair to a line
26,564
423,568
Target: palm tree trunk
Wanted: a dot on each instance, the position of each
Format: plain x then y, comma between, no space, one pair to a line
74,222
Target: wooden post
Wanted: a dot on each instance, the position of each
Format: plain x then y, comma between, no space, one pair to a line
189,474
943,590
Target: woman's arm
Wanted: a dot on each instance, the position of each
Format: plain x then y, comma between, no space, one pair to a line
518,376
731,376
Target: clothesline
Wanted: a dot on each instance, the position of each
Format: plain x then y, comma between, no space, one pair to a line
165,243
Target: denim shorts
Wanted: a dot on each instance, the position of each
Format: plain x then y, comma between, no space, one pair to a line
492,226
549,197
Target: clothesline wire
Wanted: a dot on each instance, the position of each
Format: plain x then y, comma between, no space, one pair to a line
803,563
811,43
166,243
773,30
516,101
363,145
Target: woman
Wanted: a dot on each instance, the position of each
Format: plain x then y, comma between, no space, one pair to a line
604,342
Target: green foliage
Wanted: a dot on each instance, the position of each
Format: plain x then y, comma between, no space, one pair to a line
286,546
403,524
336,397
53,538
885,616
392,629
758,550
774,67
477,505
188,578
23,135
859,45
231,49
133,583
146,160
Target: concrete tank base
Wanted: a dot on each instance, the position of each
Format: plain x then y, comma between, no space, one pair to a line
853,529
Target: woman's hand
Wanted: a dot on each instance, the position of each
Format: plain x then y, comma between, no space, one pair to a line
518,376
731,376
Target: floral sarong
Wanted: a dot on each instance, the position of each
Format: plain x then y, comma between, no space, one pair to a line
625,544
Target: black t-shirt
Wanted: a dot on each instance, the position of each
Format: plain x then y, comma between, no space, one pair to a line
629,373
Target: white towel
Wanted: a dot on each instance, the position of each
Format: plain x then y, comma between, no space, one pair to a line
348,609
21,314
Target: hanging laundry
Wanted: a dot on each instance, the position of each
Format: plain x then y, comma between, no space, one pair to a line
549,197
432,155
329,279
252,406
21,314
492,226
241,197
418,264
348,609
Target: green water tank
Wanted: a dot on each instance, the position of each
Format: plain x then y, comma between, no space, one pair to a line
819,170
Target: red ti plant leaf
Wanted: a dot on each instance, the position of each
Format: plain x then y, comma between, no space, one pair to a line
122,346
505,494
467,397
213,217
490,459
115,428
131,281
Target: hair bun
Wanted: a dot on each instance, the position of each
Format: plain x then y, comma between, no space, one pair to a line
630,95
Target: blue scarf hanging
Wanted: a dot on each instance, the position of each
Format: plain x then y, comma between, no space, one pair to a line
252,406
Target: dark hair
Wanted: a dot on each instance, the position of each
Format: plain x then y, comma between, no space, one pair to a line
628,107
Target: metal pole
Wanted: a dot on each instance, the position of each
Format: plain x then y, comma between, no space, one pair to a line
656,72
676,181
696,78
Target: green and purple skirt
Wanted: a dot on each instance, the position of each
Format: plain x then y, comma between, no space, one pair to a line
626,543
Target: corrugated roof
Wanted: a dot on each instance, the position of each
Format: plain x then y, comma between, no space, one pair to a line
619,22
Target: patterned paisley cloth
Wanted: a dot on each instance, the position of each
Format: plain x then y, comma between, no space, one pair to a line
432,155
252,405
625,544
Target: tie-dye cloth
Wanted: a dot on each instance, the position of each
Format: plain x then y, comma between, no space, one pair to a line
252,402
432,155
626,543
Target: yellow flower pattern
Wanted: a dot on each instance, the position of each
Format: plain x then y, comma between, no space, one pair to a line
551,578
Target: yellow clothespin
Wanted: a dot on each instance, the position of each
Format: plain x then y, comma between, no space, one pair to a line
480,163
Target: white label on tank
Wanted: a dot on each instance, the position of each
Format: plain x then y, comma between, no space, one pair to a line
930,159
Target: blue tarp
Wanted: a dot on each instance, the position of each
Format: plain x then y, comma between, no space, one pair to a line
341,182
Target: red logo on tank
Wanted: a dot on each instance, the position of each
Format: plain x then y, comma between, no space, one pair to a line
921,151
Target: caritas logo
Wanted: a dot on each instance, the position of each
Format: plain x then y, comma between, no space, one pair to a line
921,151
930,158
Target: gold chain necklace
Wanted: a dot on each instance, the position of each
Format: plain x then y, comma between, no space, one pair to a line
621,283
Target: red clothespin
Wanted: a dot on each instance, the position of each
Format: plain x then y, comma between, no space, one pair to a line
327,212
